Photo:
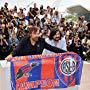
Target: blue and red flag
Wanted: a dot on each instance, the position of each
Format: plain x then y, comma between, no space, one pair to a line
46,71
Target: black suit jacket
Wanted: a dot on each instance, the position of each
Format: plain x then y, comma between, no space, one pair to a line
26,48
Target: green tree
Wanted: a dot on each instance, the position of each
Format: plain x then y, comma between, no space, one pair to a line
71,17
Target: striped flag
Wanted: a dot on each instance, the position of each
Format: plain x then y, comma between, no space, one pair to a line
46,71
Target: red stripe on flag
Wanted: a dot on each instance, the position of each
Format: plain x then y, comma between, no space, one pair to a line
47,71
72,83
71,78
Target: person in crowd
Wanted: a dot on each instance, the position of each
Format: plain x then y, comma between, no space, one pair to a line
77,45
69,39
55,39
35,10
30,13
45,31
4,47
6,6
56,18
41,10
5,31
20,34
21,13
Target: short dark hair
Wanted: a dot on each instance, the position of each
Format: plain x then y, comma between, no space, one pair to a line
53,32
32,29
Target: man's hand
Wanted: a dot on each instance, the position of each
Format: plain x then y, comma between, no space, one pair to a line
9,57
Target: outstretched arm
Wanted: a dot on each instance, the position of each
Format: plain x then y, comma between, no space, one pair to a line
53,49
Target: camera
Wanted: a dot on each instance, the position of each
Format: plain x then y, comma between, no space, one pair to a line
68,43
0,30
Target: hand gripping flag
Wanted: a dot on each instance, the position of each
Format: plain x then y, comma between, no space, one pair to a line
46,71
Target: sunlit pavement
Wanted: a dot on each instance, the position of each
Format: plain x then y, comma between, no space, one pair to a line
85,79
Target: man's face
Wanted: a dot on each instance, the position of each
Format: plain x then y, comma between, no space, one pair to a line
3,26
56,37
35,35
45,27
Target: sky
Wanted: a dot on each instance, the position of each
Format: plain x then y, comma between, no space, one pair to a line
56,3
67,3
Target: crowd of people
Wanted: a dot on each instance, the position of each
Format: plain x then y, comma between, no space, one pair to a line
68,36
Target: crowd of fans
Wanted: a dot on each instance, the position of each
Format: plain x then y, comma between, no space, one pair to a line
70,36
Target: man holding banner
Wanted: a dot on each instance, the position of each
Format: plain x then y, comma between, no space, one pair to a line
33,45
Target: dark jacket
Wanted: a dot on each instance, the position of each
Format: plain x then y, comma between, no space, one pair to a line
26,48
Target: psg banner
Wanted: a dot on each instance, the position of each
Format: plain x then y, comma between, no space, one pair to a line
46,71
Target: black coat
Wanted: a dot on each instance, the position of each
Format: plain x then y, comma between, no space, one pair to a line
26,48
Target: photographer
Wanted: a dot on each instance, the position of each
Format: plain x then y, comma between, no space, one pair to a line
4,47
4,31
77,45
46,31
